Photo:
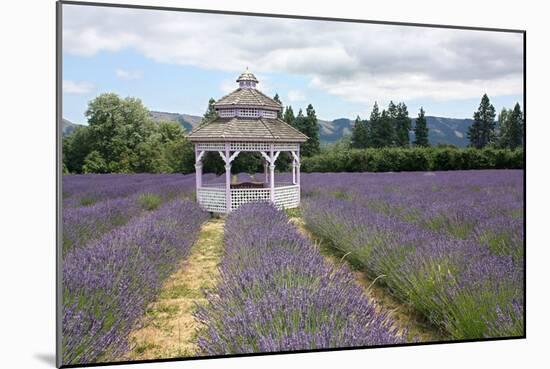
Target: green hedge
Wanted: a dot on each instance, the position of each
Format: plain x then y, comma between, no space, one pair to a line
412,159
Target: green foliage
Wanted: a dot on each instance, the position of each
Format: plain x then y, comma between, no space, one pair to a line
210,111
421,130
360,134
76,147
402,125
278,99
386,159
510,124
149,201
381,126
482,130
288,115
308,125
121,138
94,163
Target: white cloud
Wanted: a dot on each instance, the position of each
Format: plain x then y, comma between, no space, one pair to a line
128,75
358,62
296,96
77,88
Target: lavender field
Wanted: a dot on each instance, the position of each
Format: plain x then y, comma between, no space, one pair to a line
448,244
122,236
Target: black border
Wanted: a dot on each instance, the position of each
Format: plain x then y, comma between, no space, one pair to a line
59,132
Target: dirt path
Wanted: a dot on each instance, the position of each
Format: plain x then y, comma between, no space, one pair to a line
169,329
402,314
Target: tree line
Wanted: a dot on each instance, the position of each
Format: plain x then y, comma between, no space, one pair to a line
391,127
121,137
506,132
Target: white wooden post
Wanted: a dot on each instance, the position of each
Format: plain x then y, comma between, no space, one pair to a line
266,172
227,179
198,169
293,169
271,174
298,167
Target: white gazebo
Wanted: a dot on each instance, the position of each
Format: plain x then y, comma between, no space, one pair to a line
247,121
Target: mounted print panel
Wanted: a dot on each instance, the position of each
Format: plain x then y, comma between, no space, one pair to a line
240,184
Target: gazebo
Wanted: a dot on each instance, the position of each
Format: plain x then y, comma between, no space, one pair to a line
247,121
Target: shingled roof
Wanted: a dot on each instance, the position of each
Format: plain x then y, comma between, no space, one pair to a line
247,76
248,96
246,130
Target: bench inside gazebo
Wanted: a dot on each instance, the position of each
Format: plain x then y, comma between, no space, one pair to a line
247,121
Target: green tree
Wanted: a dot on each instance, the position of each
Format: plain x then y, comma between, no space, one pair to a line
288,115
94,163
308,125
381,128
482,130
402,124
511,127
76,146
211,112
359,134
178,154
421,130
279,113
119,129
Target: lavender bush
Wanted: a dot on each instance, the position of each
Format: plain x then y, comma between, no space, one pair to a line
107,285
276,293
88,189
118,198
449,243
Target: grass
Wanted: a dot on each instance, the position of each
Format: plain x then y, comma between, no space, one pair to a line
169,328
149,201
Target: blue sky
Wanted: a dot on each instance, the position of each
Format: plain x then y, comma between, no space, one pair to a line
175,62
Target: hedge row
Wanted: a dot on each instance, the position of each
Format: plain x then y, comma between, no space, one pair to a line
413,159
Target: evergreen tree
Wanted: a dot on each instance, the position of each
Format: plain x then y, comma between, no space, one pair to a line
511,122
279,113
308,125
381,128
288,116
502,126
359,134
421,130
482,130
210,111
402,124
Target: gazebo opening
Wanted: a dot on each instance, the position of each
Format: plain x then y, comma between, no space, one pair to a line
247,122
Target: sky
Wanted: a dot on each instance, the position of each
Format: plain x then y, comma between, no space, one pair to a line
176,61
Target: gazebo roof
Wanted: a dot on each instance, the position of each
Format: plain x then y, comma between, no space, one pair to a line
247,76
248,97
246,130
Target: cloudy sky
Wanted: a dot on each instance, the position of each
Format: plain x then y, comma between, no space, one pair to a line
176,61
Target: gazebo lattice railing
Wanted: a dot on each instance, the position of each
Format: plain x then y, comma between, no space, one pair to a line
223,196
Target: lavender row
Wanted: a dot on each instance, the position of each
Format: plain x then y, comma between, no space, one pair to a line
276,293
89,189
108,284
460,285
85,223
484,206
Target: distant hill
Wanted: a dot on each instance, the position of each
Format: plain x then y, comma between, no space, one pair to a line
187,121
67,126
442,130
447,130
